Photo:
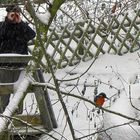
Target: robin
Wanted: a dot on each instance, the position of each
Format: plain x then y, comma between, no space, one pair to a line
100,99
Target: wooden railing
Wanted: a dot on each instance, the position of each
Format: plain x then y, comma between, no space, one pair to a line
46,118
87,39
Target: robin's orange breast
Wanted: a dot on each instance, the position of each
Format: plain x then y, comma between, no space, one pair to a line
99,101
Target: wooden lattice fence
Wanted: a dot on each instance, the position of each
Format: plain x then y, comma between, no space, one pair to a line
87,39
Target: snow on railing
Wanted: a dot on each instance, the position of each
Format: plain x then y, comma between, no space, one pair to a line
87,40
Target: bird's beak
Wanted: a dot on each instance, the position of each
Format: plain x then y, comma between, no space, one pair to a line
107,98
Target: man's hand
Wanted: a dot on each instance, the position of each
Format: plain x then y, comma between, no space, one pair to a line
14,17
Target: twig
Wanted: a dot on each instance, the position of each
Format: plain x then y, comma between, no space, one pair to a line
104,109
81,74
134,130
27,124
131,99
104,130
92,103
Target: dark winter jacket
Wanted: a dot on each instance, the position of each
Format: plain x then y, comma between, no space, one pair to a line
14,37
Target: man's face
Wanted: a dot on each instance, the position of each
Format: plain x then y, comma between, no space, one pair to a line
14,17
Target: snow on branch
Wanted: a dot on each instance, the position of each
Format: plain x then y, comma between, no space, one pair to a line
44,17
15,101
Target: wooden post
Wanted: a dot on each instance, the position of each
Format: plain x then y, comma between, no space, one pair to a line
47,98
7,75
44,112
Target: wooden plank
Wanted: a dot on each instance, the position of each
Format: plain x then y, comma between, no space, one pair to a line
93,39
14,58
8,76
116,34
27,130
34,120
79,45
77,32
60,41
6,88
44,112
107,28
135,42
48,101
128,32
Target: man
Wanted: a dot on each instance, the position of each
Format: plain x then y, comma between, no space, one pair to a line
14,33
14,36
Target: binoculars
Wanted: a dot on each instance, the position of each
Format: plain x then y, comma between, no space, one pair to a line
14,16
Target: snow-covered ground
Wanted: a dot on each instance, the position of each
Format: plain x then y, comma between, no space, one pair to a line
118,77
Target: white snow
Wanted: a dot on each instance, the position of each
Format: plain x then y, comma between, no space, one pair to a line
107,72
16,99
44,17
51,1
2,14
13,55
111,74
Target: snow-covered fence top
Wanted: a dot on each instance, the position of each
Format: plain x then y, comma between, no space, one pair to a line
87,39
